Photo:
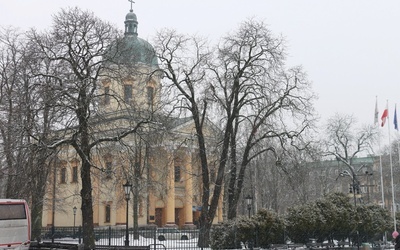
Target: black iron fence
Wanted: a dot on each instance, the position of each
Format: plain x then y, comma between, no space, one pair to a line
171,238
115,237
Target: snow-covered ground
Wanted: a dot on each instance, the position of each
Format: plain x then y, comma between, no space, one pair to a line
167,244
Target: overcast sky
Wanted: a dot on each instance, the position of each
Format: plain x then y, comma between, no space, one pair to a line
349,49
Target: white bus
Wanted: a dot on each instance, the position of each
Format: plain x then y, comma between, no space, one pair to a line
15,224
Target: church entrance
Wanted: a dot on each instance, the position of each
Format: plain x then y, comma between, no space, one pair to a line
159,213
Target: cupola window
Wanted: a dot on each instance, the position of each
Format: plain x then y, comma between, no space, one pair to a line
127,93
150,96
106,95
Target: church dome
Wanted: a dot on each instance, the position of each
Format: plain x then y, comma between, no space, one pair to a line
132,49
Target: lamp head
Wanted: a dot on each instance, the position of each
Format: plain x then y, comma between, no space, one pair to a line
248,199
127,189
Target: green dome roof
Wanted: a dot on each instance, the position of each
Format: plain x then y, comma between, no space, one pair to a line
132,49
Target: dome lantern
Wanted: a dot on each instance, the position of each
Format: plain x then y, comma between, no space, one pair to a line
131,23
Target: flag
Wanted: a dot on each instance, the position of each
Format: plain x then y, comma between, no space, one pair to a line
395,118
376,113
385,115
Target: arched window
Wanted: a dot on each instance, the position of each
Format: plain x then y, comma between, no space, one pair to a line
107,214
75,174
63,175
106,95
150,96
127,93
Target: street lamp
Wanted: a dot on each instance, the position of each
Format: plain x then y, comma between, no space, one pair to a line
249,199
127,189
74,210
355,193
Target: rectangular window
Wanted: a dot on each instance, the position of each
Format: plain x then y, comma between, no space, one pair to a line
63,177
75,174
150,96
108,213
177,173
127,93
108,170
106,95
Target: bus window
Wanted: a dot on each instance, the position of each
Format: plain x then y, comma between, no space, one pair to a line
15,224
12,211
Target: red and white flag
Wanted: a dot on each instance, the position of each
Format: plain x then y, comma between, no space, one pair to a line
376,114
385,115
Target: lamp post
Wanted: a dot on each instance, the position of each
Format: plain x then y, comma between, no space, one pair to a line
355,193
74,210
249,199
127,189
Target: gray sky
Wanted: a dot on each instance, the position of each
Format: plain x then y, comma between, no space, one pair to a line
350,49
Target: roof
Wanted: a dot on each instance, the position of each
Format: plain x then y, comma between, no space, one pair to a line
132,49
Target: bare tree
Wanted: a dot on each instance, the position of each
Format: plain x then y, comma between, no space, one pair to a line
247,82
183,60
258,95
284,183
83,49
346,142
11,125
27,108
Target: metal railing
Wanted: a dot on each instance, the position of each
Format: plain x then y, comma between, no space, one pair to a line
170,238
114,237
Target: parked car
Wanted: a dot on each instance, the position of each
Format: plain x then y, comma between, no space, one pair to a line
171,234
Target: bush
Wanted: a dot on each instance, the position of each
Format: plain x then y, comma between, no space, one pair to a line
263,229
269,228
224,236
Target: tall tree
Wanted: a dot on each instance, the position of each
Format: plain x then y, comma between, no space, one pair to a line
247,81
258,95
183,61
41,115
11,106
345,142
27,108
82,49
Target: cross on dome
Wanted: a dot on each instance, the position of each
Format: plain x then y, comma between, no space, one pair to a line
132,2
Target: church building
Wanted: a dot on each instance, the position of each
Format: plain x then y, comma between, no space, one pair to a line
160,160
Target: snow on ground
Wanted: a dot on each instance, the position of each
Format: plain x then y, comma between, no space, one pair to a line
167,244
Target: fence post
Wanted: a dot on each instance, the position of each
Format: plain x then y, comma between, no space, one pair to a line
80,234
155,237
52,233
109,235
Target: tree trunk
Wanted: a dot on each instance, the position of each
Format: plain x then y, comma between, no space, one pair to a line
36,215
87,209
136,200
39,177
205,226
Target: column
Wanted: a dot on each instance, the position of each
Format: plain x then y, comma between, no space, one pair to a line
170,206
188,206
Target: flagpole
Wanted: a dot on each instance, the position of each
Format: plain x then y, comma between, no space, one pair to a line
396,127
380,152
381,172
391,171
